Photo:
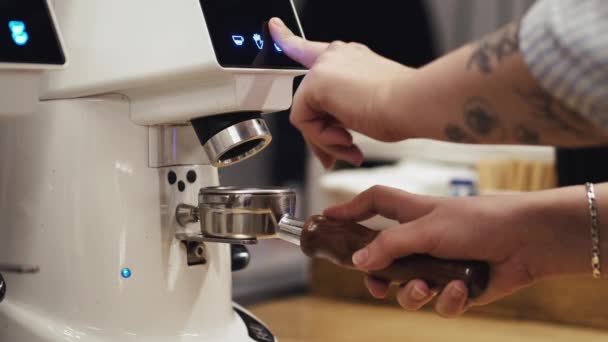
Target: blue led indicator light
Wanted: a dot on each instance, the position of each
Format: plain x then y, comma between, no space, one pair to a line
277,48
259,42
18,32
126,273
238,40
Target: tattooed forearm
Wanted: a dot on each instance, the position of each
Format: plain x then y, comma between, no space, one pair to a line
494,48
540,119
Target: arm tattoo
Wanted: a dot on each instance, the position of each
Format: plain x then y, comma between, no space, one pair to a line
482,121
526,135
482,124
555,114
494,48
457,134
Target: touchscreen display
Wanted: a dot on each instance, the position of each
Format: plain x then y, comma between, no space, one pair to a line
240,36
27,34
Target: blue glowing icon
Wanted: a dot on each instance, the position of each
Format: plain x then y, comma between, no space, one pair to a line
257,38
278,48
238,40
20,35
126,273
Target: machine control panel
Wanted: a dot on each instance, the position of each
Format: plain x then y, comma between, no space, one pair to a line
240,36
28,34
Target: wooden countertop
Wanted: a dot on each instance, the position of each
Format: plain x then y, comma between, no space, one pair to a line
312,319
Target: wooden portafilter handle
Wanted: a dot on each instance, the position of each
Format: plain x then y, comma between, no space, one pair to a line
338,241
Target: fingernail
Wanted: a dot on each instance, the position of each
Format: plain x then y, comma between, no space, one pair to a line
456,292
278,22
418,294
360,258
454,303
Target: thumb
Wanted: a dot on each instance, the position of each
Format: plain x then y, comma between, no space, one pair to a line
300,50
392,244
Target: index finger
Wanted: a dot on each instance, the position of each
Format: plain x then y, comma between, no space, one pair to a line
388,202
300,50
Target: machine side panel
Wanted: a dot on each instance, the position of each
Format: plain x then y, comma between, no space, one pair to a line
117,44
78,199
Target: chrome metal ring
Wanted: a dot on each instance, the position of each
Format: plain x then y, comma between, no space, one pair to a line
238,142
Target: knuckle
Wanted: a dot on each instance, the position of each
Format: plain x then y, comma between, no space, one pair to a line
377,188
383,240
294,116
376,191
322,97
323,59
316,70
293,120
336,45
318,75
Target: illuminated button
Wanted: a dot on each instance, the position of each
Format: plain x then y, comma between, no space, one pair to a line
238,40
278,48
16,26
18,32
259,42
126,273
21,39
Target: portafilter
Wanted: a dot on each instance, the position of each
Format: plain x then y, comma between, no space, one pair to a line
242,215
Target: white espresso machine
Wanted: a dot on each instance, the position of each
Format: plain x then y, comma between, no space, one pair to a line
158,95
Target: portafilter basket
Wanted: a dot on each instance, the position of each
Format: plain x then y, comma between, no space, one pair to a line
244,213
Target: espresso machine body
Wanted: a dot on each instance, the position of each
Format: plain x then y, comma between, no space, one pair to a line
157,96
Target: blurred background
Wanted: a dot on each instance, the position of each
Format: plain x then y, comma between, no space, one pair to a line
412,32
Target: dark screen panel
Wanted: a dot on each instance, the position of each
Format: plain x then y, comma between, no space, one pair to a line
240,36
27,33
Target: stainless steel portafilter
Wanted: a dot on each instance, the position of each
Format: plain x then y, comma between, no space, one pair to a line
244,215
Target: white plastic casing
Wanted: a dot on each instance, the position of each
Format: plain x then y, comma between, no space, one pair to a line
159,54
78,199
20,82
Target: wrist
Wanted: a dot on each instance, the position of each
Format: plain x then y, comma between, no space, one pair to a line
394,102
557,232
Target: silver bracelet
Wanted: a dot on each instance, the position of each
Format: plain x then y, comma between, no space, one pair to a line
595,232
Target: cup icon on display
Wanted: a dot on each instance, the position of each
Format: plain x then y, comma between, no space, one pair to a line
238,40
259,42
18,32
